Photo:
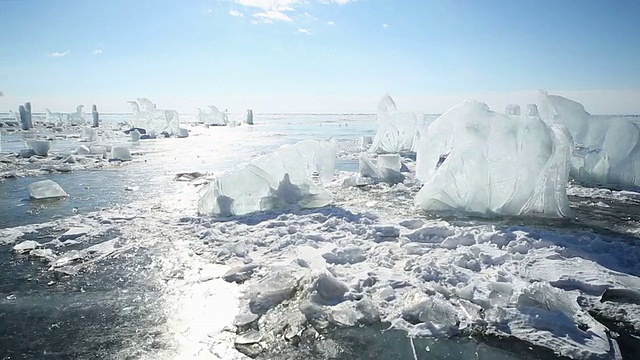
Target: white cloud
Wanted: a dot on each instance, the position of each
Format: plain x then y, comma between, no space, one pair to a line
330,23
97,51
269,11
210,11
59,54
385,25
271,16
339,2
304,31
236,13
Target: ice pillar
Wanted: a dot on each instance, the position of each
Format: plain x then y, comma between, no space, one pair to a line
96,116
250,117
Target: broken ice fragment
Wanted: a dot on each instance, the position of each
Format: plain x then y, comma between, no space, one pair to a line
41,147
75,232
46,189
26,246
121,153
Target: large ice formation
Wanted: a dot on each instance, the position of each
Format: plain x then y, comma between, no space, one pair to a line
397,131
476,160
46,189
279,180
155,121
213,118
607,150
54,118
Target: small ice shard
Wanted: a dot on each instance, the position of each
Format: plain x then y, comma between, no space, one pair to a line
532,110
365,142
271,290
121,153
135,135
46,254
69,160
82,150
75,232
329,290
250,337
88,135
26,246
183,133
98,150
41,147
366,167
46,189
240,274
26,153
249,120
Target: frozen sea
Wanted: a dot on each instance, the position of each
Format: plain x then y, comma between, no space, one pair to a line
127,269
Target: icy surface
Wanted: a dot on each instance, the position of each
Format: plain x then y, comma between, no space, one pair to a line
121,153
46,189
476,160
282,179
397,131
607,151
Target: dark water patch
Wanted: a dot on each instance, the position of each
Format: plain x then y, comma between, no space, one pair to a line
88,191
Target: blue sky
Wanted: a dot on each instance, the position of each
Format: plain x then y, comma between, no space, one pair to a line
318,55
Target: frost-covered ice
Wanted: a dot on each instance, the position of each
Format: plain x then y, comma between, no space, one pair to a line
476,160
282,179
46,189
121,153
607,151
397,131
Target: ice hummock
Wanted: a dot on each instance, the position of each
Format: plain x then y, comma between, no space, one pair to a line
155,121
397,131
213,118
476,160
607,151
279,180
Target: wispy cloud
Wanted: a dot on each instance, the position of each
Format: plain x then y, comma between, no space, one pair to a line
271,16
339,2
59,54
270,11
304,31
236,13
385,26
330,23
97,51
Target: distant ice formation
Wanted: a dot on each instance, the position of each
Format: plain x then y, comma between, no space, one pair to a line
397,131
155,121
249,120
78,117
54,118
607,150
213,118
279,180
476,160
46,189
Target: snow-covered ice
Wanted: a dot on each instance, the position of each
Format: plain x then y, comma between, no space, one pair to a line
476,160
